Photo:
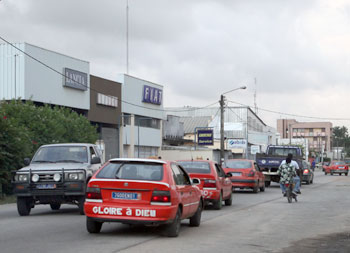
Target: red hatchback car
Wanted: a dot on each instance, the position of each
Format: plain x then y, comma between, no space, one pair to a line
142,191
245,174
215,184
337,167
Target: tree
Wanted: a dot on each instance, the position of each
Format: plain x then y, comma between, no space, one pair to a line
24,127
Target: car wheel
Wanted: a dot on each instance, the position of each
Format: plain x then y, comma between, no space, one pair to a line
267,183
218,203
92,226
195,220
228,202
331,173
256,188
346,174
55,206
173,229
81,202
325,173
312,180
262,189
24,206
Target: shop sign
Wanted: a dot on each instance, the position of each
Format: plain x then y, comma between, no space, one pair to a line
75,79
152,95
107,100
205,137
254,149
237,143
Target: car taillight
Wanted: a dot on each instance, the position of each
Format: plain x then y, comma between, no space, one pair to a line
306,171
93,193
161,196
209,183
251,173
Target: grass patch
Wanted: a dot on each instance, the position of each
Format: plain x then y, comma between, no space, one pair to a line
8,199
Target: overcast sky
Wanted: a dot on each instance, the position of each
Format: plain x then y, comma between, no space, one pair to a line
298,50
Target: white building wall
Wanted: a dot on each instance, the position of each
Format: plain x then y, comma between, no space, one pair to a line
38,83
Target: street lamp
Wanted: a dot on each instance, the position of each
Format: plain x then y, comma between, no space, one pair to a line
222,132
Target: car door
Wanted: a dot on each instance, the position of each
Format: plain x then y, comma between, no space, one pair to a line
225,182
261,176
184,189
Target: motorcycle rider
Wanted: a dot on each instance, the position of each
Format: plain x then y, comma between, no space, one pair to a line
297,176
287,173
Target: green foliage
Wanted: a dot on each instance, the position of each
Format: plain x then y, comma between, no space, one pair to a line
24,127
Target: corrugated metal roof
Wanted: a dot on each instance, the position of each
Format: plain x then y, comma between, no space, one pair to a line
190,123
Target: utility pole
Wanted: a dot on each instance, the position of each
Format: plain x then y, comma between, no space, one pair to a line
290,133
127,37
222,131
15,76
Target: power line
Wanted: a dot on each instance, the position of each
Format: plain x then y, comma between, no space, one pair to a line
290,114
77,82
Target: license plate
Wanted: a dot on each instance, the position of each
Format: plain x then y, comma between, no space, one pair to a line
236,174
46,186
126,195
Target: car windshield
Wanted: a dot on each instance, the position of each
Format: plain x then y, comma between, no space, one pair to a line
347,161
132,170
196,167
66,154
238,164
339,163
282,151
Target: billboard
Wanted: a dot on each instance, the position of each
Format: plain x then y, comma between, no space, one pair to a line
205,137
152,95
75,79
237,143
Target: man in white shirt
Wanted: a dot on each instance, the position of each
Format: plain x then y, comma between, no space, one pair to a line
297,169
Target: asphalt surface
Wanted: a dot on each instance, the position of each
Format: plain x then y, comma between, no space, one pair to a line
262,222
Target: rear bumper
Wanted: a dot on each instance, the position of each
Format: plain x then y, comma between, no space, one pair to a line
244,183
339,171
210,194
130,214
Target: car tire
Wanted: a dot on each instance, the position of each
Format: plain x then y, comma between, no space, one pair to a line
81,202
325,173
93,227
228,202
346,174
173,229
24,206
331,173
256,188
55,206
267,183
218,203
195,220
262,189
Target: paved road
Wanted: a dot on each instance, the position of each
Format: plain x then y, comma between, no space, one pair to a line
262,222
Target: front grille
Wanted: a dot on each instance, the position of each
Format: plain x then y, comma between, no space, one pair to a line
47,177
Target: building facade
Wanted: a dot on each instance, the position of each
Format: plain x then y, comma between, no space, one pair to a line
244,132
318,134
142,116
105,112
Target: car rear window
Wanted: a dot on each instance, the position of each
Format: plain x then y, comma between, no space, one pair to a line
196,167
339,163
132,170
238,164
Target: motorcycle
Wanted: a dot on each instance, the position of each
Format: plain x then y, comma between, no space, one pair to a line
290,194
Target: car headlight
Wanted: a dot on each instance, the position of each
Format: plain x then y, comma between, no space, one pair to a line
57,177
73,176
22,177
35,178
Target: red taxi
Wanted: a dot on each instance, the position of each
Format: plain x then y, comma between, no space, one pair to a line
337,167
215,184
245,174
142,191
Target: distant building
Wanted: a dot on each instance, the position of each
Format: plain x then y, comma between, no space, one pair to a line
244,131
318,134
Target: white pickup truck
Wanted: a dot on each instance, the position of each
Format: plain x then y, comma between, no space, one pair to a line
57,174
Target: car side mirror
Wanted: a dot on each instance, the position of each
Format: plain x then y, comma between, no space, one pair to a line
196,181
228,174
95,160
26,161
